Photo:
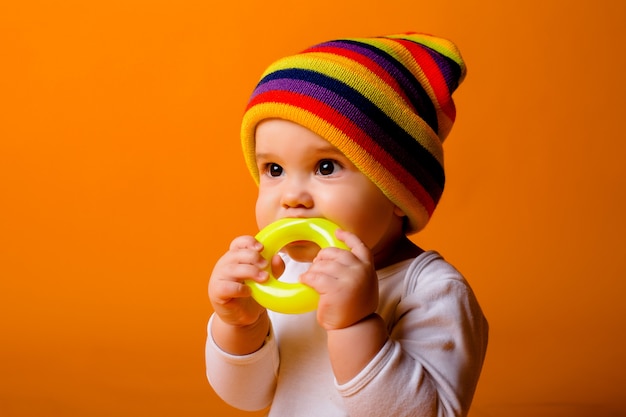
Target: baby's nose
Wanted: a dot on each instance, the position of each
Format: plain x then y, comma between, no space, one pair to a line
296,194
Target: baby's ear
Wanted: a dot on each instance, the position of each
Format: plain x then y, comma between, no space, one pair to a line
403,218
399,212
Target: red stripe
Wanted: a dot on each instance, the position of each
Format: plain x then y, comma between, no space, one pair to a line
351,130
433,73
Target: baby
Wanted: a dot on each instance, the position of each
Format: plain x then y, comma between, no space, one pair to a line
350,130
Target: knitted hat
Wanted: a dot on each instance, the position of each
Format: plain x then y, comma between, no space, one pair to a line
384,102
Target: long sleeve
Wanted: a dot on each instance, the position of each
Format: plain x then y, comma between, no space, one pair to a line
247,381
431,363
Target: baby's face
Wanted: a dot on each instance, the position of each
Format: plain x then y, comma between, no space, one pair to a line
303,175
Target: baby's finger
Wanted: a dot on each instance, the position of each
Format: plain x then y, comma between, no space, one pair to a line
241,272
232,289
240,256
246,242
278,266
249,257
319,279
356,245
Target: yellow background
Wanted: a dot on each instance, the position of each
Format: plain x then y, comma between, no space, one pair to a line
121,182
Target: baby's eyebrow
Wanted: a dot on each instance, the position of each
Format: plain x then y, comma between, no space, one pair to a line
262,155
329,150
326,150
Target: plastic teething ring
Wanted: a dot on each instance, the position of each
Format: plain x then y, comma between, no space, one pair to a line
284,297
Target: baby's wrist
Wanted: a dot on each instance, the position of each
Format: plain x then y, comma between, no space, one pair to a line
241,339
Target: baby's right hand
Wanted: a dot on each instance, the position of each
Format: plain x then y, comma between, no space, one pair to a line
229,295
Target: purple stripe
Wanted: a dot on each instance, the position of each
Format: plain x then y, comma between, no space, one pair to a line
332,99
447,68
380,60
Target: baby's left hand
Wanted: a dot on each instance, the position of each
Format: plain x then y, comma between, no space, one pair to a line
346,281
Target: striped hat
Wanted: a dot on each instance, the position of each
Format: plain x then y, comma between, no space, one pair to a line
385,102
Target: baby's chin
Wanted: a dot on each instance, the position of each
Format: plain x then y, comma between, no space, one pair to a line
302,251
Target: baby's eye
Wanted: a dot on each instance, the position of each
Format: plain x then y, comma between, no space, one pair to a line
328,167
274,170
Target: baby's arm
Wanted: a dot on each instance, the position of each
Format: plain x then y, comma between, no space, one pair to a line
246,382
431,363
241,354
348,288
428,364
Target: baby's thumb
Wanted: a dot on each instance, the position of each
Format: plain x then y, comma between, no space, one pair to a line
278,266
356,245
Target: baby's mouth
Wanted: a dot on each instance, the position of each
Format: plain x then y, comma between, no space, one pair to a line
299,243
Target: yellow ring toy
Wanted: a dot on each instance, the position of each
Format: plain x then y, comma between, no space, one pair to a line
284,297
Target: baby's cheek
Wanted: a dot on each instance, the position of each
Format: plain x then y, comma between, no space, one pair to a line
264,210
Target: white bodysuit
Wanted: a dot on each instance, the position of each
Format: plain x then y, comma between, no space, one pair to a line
429,366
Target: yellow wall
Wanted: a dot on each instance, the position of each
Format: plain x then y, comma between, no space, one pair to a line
121,182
